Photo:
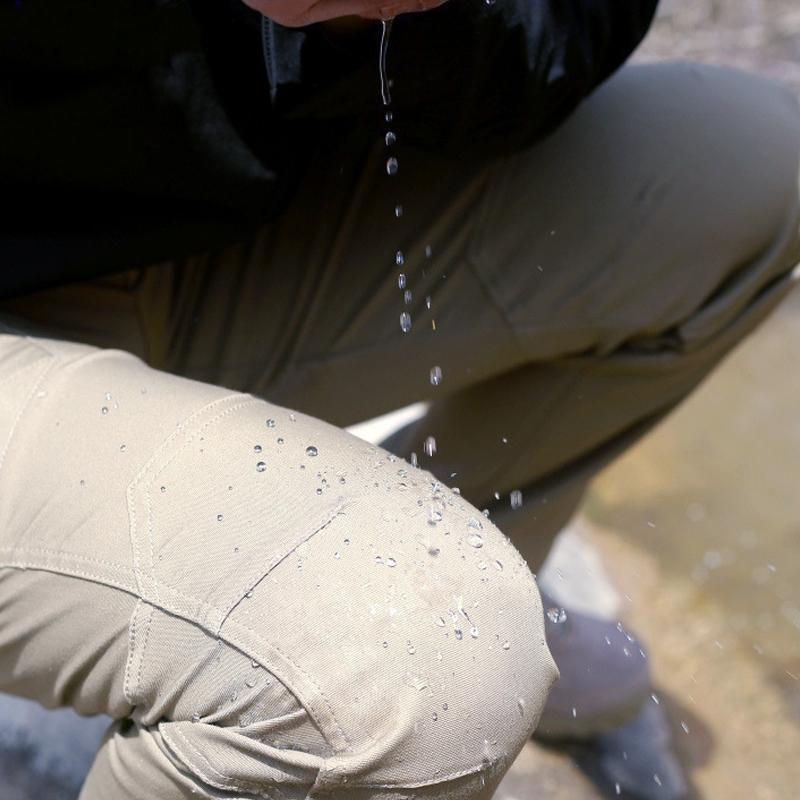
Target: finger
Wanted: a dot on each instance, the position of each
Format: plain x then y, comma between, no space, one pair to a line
296,13
394,10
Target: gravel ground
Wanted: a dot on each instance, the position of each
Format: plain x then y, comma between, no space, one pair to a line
760,35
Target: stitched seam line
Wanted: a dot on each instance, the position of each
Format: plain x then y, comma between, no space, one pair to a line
252,585
127,691
101,579
227,783
190,438
76,556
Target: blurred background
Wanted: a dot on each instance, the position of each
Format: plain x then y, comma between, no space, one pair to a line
698,527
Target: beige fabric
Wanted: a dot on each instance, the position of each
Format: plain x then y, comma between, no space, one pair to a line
303,604
579,291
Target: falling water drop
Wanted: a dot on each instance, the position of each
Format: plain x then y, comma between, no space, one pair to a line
399,258
436,376
516,499
407,296
429,446
390,138
556,615
398,211
392,166
386,29
405,322
401,280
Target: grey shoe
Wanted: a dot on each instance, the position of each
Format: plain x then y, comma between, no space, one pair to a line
604,679
635,761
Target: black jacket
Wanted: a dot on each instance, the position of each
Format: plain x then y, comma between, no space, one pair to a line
138,130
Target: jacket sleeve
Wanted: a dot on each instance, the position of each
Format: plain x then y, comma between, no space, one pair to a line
478,76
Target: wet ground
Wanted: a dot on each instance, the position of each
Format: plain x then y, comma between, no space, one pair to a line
699,525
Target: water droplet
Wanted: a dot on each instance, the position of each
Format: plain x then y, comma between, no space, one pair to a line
399,258
163,489
410,649
685,727
280,440
556,615
261,466
390,138
270,423
433,551
474,524
475,540
392,166
390,562
319,491
440,622
219,517
458,634
407,296
506,645
311,451
401,280
254,664
436,376
498,565
386,644
473,632
516,499
414,461
104,410
379,559
405,322
123,448
398,211
195,718
521,705
434,515
434,716
250,683
429,446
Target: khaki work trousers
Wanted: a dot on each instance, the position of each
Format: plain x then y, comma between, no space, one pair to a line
269,607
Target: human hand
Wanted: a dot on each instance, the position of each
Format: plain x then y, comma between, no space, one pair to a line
296,13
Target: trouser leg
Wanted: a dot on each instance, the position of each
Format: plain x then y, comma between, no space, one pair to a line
578,291
264,604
